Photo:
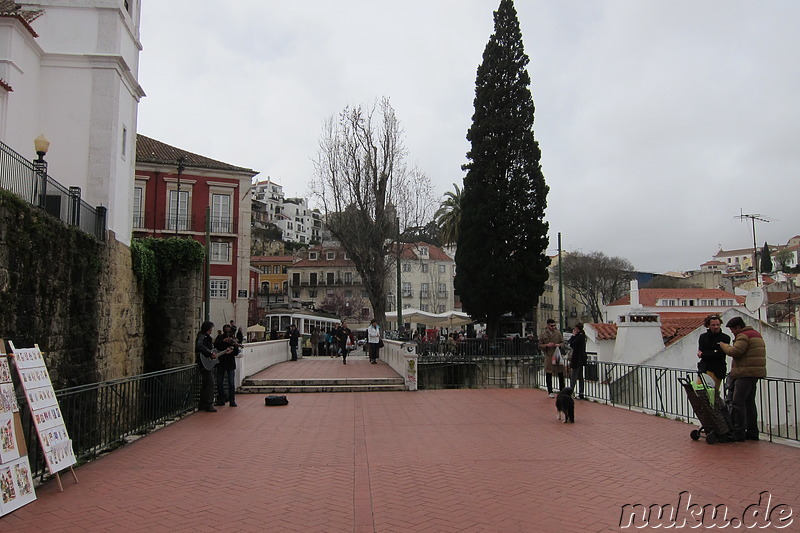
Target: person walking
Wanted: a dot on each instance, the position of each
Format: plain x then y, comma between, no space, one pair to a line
748,355
204,347
578,360
344,334
549,340
374,340
294,340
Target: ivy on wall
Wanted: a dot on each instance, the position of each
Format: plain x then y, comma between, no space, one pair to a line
49,289
156,260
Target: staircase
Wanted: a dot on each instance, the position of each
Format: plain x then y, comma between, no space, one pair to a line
283,386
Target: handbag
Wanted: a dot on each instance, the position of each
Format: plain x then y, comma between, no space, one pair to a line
380,343
558,359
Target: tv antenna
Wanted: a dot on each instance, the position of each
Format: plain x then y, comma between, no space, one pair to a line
752,296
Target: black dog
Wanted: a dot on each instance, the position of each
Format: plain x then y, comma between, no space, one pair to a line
565,404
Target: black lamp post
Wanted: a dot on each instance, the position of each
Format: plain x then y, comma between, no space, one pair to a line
181,168
41,145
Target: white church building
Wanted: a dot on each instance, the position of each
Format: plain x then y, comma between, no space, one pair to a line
69,71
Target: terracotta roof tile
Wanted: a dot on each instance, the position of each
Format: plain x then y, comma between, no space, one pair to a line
152,151
605,331
673,328
25,16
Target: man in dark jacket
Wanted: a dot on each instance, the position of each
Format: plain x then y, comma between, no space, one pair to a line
712,358
228,348
204,347
294,340
749,363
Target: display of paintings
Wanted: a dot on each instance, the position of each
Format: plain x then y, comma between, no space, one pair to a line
5,371
34,377
28,357
8,398
9,450
47,418
42,400
16,485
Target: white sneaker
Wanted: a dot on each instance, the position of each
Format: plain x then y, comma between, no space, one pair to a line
552,395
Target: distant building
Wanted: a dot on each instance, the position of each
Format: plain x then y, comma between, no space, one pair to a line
169,203
426,276
273,279
297,222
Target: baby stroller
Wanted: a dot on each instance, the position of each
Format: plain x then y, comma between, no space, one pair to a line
711,410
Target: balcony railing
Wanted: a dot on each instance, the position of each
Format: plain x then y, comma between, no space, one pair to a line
100,416
511,363
31,182
182,222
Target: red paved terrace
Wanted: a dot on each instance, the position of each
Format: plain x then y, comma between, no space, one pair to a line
434,461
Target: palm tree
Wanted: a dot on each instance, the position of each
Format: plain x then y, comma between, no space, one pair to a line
448,216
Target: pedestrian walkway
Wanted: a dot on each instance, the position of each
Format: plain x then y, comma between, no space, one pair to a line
433,461
358,366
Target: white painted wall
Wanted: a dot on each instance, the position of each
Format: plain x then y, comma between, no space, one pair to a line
77,84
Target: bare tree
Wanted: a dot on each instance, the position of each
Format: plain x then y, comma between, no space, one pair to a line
344,307
367,190
596,279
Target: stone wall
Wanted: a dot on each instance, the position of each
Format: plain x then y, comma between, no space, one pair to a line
79,300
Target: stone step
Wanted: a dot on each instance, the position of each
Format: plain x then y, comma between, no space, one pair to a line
294,389
262,386
314,382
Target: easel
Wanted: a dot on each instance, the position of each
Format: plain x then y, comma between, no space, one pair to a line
58,478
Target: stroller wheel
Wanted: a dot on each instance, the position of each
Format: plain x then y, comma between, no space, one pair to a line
711,438
695,434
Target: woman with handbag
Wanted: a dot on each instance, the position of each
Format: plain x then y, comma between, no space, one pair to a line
374,340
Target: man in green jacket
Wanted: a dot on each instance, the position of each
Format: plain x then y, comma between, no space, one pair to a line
749,363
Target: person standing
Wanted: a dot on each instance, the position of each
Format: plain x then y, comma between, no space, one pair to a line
204,346
294,340
712,358
374,341
227,349
578,360
549,340
748,355
314,340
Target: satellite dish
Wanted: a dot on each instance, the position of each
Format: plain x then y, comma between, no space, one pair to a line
754,299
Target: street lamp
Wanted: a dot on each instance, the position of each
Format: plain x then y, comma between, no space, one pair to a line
181,168
41,145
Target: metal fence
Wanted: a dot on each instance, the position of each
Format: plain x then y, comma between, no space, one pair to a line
101,416
31,182
637,387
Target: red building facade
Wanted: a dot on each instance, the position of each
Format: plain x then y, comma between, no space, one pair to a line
181,194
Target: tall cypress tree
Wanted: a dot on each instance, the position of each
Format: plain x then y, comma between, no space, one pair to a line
501,257
766,260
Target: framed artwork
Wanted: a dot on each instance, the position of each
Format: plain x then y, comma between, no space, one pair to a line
60,456
41,397
27,357
8,398
16,485
33,378
9,449
48,417
5,370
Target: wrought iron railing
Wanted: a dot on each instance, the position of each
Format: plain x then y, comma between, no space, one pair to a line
645,388
31,182
101,416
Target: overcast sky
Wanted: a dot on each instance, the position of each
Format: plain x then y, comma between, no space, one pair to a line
659,121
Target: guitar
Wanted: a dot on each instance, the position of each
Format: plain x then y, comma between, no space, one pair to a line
210,362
